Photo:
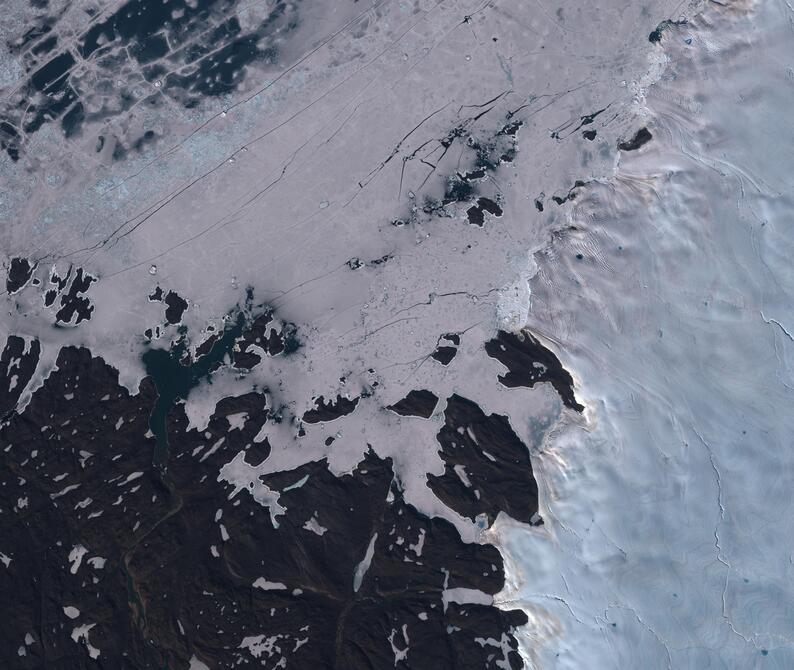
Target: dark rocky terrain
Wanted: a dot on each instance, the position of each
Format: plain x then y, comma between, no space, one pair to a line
111,562
529,363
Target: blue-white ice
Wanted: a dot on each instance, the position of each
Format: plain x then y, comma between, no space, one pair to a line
670,533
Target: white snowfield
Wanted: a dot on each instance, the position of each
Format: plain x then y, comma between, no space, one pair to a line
667,507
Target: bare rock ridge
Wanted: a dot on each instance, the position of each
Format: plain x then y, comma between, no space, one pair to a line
421,403
487,467
529,363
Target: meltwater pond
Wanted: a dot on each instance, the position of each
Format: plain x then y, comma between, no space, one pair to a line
174,378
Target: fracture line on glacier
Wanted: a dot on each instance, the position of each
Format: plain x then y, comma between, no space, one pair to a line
771,321
717,542
659,639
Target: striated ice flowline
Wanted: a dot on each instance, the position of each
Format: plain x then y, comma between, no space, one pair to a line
669,526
